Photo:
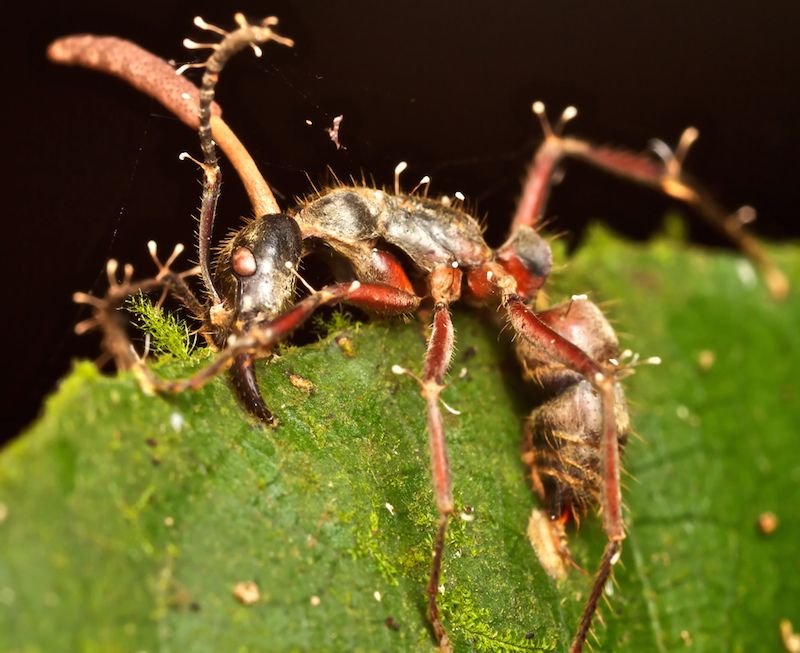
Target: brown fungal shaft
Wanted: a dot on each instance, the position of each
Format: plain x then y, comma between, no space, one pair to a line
134,65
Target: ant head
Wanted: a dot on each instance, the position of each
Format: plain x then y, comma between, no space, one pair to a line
527,257
256,269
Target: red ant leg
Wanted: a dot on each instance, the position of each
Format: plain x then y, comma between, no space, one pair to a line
536,190
437,362
671,180
664,175
557,348
262,337
445,285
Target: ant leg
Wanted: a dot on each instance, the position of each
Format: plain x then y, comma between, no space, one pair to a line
175,282
550,345
437,362
107,317
611,553
262,337
445,284
664,174
539,179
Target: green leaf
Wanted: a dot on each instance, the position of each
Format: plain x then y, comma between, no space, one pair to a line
127,520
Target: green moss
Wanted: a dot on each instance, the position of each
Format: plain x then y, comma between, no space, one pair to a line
169,334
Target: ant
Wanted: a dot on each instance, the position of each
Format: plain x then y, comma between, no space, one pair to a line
573,440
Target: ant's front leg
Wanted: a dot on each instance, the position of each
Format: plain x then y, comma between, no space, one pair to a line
262,337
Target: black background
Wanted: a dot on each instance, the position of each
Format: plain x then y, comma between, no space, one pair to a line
92,170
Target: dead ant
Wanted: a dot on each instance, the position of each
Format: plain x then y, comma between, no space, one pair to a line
574,440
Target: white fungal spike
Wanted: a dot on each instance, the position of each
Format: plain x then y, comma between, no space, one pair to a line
422,182
399,169
746,215
176,252
653,360
687,139
448,408
568,114
541,113
660,149
152,247
202,24
459,195
396,369
185,156
293,269
189,44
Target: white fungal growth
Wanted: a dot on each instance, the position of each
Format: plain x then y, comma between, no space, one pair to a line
177,422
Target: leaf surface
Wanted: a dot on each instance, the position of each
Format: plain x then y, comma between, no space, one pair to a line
126,521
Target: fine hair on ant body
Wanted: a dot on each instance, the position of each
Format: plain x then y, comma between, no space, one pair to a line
573,440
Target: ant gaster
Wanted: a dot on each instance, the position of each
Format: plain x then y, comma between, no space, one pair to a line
573,440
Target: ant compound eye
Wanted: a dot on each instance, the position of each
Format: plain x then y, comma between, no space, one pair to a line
243,262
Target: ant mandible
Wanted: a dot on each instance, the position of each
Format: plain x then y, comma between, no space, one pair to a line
573,440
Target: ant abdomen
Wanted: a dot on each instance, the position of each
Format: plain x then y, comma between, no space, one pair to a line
563,435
